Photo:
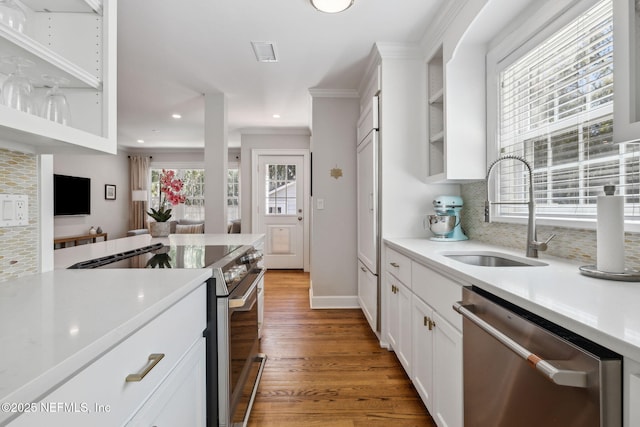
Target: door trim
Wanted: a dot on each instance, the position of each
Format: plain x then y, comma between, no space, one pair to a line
256,153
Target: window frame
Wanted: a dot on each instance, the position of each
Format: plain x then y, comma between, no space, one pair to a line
525,33
173,166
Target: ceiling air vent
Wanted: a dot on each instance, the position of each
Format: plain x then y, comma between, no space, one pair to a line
265,51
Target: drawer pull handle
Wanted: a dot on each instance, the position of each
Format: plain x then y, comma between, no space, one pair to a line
394,264
151,363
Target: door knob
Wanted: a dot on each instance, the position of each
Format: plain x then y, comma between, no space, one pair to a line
299,218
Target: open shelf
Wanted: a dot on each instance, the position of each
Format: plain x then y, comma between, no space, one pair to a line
74,6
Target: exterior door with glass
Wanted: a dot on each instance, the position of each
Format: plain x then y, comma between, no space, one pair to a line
280,215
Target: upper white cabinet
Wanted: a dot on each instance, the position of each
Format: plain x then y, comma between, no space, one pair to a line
626,57
74,40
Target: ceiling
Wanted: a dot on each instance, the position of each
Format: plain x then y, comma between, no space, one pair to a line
170,53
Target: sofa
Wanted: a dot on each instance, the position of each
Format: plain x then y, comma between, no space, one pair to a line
181,226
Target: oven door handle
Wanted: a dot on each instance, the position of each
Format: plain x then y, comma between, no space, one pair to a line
563,377
241,301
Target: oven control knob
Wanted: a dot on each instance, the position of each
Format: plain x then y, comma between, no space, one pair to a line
230,275
248,258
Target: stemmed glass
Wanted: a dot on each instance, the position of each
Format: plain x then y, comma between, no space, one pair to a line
12,15
56,106
17,89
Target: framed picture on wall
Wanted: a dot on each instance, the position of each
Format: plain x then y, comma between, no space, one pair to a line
109,191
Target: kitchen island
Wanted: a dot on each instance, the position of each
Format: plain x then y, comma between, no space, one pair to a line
55,324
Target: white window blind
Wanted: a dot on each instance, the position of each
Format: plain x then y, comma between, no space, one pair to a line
556,104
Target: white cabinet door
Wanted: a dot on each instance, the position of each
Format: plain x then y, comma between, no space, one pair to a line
422,347
400,322
447,374
368,295
367,201
181,398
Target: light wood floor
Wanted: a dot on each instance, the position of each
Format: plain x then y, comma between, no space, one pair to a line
326,368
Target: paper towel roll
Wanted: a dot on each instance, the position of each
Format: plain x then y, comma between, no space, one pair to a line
610,234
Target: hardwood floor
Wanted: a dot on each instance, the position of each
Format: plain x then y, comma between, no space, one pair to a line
326,368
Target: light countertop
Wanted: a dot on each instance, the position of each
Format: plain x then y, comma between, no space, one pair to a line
66,257
605,311
54,324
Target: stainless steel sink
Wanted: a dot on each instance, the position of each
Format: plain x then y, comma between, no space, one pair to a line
492,259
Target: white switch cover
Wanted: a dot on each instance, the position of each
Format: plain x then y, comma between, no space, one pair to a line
15,210
320,204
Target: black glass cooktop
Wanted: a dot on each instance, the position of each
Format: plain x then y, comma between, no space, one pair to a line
158,256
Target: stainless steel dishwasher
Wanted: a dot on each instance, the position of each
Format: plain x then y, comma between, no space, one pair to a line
522,370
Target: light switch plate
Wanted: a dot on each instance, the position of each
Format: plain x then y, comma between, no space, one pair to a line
14,210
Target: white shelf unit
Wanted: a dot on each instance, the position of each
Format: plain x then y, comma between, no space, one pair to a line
435,111
75,40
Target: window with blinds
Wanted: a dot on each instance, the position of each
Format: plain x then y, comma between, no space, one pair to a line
556,105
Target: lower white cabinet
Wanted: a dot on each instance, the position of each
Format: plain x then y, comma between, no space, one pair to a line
631,392
447,374
180,399
368,294
167,352
425,333
399,330
423,341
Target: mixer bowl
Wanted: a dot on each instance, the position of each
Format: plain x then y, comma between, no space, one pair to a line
441,225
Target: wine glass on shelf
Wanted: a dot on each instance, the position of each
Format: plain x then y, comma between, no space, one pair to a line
12,15
56,107
17,89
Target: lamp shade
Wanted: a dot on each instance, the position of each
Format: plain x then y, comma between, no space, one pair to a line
139,195
332,6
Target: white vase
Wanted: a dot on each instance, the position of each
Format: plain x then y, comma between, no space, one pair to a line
159,229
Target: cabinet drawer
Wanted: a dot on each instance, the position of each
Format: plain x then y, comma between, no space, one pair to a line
400,266
438,291
99,395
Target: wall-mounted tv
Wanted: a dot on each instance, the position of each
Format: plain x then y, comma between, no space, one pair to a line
71,195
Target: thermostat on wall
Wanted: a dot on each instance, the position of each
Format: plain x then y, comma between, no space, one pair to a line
14,210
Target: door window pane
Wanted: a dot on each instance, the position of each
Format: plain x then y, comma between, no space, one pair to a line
280,182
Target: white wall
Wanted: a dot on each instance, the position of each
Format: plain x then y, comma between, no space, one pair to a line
111,215
275,139
333,229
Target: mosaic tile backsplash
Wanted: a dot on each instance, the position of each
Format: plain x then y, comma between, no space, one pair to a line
19,245
575,244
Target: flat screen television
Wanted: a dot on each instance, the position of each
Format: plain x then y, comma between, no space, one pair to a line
71,195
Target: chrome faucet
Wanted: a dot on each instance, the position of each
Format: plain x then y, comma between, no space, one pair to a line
533,246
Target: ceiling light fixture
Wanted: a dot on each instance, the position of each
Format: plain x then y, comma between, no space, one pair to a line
141,141
332,6
176,116
276,116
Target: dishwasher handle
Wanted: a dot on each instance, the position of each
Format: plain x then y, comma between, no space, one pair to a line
563,377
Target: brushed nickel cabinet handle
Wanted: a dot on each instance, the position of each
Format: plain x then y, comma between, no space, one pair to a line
151,363
395,264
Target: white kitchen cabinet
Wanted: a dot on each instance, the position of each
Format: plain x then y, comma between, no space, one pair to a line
626,73
422,348
447,374
367,194
399,318
100,394
368,294
425,333
631,392
180,399
75,40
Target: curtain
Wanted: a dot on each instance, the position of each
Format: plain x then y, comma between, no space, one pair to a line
138,180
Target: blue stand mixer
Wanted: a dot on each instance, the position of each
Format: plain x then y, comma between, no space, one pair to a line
445,224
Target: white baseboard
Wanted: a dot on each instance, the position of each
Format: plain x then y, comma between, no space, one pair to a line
338,302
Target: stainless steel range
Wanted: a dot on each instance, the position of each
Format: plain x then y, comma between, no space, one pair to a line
234,363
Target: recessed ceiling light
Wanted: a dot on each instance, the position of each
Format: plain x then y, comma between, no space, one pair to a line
332,6
176,116
155,130
141,141
276,116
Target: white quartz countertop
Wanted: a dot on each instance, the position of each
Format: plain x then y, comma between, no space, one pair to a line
64,258
604,311
53,324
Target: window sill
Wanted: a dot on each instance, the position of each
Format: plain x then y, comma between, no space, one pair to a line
583,224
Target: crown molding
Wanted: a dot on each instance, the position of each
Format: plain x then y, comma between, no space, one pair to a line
333,93
399,50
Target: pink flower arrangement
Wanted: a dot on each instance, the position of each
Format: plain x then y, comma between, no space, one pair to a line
170,188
